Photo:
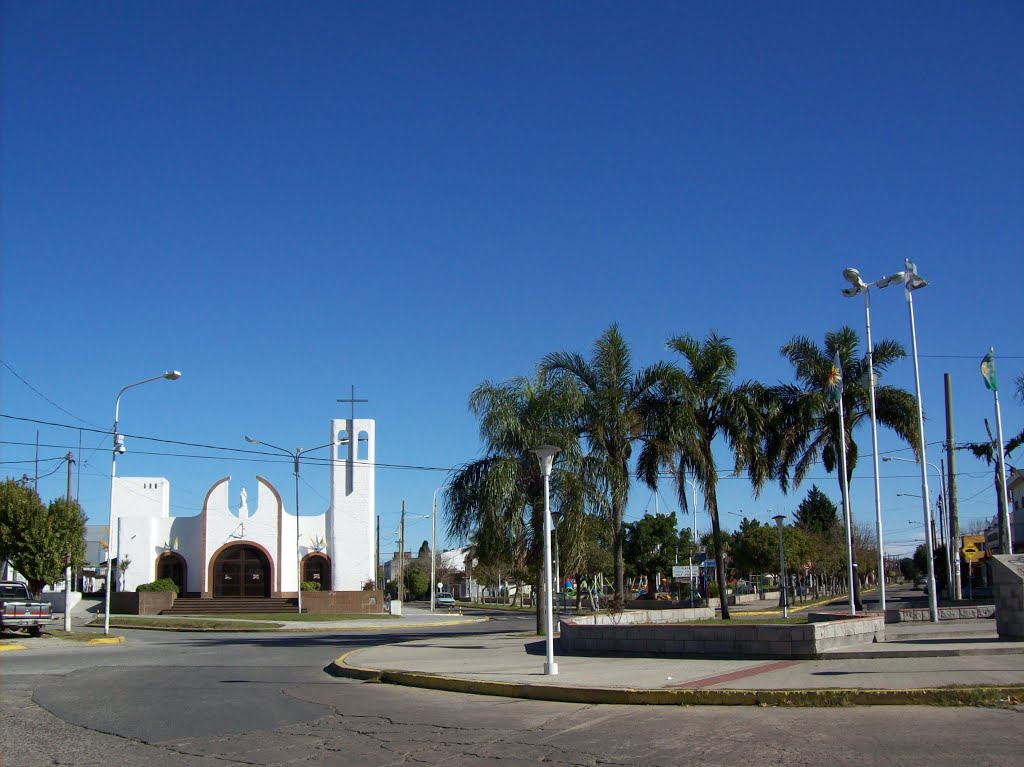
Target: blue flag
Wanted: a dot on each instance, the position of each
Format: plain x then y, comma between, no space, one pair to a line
834,382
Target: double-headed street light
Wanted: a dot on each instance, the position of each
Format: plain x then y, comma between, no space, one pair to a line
546,456
118,448
294,455
857,287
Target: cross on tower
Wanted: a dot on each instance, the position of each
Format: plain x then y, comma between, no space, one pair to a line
353,401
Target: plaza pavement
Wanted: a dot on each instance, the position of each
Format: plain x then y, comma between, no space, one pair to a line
952,662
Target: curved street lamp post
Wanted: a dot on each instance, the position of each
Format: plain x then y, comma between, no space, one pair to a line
118,448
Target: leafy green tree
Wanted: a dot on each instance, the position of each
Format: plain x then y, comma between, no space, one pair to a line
690,412
805,428
817,512
498,499
38,540
650,546
611,418
756,548
908,569
417,582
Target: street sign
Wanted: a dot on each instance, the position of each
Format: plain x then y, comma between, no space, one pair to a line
685,571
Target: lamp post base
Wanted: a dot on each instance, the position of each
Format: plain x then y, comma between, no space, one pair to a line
550,669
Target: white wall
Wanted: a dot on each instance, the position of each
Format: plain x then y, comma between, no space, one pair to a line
350,520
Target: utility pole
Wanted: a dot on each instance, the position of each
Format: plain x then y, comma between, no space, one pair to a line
954,520
376,559
401,556
67,560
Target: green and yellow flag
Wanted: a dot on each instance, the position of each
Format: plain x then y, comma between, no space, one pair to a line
834,381
988,370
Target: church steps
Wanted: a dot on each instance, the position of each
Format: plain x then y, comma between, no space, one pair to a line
228,605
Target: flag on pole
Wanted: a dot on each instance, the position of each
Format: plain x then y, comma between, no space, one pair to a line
834,382
988,370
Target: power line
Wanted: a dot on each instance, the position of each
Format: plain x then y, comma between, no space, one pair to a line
33,388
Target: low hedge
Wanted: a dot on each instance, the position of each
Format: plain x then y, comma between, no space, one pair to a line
164,584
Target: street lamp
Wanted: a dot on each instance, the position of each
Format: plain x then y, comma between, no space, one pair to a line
944,495
294,455
433,551
858,286
546,456
118,448
779,520
911,282
693,487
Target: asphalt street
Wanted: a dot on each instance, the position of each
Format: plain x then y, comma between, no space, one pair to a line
166,698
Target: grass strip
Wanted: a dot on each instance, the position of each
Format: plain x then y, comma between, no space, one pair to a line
185,624
305,617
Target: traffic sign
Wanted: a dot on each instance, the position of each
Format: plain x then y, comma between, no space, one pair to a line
685,571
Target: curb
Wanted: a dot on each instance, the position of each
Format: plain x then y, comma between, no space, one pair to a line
10,647
935,696
295,629
106,640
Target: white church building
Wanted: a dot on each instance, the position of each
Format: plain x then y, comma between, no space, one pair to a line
252,551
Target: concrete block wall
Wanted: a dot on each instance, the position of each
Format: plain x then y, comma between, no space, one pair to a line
788,641
1008,592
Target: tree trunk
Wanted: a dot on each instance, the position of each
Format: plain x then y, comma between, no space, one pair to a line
716,534
620,588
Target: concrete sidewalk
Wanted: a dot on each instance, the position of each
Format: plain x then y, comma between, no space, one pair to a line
958,662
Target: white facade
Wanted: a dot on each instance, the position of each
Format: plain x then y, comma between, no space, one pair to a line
206,550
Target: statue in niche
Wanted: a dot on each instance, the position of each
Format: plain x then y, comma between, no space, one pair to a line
243,509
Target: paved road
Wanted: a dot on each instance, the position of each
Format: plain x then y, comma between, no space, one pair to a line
263,699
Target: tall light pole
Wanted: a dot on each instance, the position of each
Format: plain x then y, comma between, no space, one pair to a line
858,286
433,551
294,455
118,447
693,487
546,456
912,282
779,520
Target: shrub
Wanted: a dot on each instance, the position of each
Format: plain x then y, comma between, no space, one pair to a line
164,584
369,585
310,585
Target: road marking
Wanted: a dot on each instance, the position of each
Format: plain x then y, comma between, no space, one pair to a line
106,640
698,684
6,647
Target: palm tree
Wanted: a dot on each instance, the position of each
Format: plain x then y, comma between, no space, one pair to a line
610,418
497,500
694,408
807,427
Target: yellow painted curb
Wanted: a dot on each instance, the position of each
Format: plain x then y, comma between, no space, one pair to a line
106,640
8,647
937,696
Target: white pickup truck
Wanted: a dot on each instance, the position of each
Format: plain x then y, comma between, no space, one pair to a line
19,612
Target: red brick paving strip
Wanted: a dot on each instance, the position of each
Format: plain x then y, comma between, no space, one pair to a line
696,684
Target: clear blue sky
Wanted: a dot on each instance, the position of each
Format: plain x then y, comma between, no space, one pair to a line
285,199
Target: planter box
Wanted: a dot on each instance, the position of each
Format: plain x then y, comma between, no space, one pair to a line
729,640
320,602
141,602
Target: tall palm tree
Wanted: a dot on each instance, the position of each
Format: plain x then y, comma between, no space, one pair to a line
807,427
610,417
695,407
498,499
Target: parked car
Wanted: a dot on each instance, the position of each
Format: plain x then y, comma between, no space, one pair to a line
919,583
444,599
19,612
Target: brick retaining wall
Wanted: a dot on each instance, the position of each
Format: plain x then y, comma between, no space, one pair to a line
319,602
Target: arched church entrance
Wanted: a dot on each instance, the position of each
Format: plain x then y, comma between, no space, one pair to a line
316,568
241,571
172,565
